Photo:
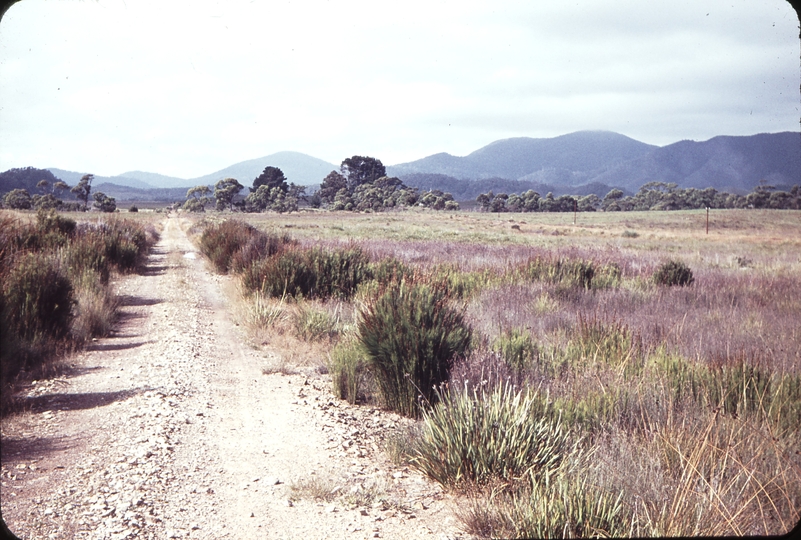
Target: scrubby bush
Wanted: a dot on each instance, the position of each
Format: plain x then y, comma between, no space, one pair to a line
50,220
38,297
569,506
313,273
95,308
18,199
673,273
54,276
219,242
258,246
412,335
517,348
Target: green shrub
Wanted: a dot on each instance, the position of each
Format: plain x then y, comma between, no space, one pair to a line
673,273
517,348
412,335
348,368
390,269
485,435
265,312
38,297
133,208
737,388
312,273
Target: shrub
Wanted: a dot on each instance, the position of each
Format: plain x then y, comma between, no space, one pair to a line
133,208
18,199
312,273
412,335
220,242
479,435
38,297
50,220
567,507
516,348
258,246
88,253
610,343
673,273
265,312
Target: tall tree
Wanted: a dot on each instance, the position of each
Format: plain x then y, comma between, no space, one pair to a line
330,187
272,177
197,198
60,186
83,188
225,191
362,170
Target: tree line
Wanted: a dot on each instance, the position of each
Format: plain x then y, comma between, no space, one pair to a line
361,185
51,189
651,196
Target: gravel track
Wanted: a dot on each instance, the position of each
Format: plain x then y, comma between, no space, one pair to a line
174,427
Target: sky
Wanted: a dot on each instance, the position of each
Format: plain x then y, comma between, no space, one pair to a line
187,88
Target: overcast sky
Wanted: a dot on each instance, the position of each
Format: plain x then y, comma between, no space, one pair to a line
187,88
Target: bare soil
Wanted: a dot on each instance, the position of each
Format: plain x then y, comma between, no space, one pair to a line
176,426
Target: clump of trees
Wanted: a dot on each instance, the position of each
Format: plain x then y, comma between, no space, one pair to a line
271,191
362,185
51,189
651,196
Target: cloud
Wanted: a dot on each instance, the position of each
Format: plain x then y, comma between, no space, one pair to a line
115,86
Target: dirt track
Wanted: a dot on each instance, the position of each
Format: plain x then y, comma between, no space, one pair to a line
170,428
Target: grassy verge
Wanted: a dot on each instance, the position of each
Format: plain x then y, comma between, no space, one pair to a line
56,295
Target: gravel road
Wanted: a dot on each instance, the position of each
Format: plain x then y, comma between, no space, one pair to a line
172,427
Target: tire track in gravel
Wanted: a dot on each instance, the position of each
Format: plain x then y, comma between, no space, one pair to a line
170,429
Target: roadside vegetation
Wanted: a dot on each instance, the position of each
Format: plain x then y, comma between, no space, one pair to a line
641,384
56,294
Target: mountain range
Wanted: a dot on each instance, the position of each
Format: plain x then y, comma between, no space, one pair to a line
579,163
600,160
299,168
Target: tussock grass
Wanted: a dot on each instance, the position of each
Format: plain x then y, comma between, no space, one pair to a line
349,370
479,435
